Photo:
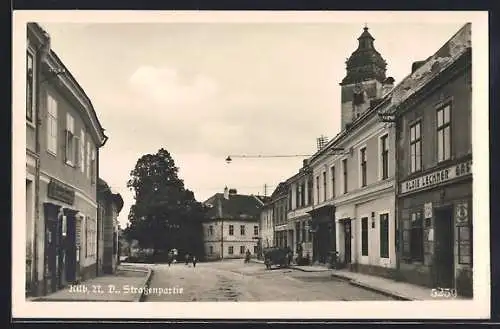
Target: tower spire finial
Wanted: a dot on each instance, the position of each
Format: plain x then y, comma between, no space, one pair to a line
366,27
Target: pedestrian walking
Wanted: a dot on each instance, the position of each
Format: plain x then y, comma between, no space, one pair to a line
170,258
187,259
194,261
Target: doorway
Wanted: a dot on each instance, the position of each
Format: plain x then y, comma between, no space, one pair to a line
51,256
347,241
444,243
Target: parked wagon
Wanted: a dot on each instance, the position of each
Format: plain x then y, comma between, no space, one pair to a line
276,256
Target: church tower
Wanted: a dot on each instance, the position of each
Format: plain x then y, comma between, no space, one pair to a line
365,79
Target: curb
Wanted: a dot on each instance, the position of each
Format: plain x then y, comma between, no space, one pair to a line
379,290
304,270
145,285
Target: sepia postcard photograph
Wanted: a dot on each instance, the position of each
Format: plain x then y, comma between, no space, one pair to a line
256,165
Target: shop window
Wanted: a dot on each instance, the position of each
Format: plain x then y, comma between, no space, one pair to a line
415,147
384,235
413,237
364,236
464,238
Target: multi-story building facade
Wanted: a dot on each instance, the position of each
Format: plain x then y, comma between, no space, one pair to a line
109,206
70,136
353,174
299,205
266,226
37,46
279,204
231,226
433,111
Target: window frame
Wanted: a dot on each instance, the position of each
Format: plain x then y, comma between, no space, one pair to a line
332,181
256,230
365,234
384,156
384,249
409,227
242,230
230,250
317,189
363,174
414,141
30,82
344,176
442,128
52,124
231,230
242,250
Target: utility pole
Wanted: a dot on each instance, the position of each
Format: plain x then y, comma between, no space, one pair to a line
265,189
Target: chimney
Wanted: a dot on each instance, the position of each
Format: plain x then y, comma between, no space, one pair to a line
226,193
416,65
387,85
321,142
233,191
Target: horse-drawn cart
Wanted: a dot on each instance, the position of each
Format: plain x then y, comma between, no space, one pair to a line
276,256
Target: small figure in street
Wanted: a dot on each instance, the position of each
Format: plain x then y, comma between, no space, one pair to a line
247,256
170,258
194,261
187,259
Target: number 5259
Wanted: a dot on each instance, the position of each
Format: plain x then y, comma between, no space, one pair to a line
444,292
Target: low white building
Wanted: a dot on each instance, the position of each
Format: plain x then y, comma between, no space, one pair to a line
266,226
232,225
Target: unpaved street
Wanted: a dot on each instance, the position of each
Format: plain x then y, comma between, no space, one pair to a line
232,280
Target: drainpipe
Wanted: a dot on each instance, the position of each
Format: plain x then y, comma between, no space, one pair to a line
396,193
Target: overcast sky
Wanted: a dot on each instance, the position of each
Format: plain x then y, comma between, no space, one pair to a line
206,90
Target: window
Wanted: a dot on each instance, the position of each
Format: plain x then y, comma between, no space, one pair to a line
230,250
91,237
384,235
297,196
51,125
242,230
344,170
29,86
364,236
413,237
255,250
82,151
72,151
317,189
309,191
362,160
210,250
324,185
415,147
210,230
332,177
242,250
88,158
443,133
384,154
93,168
303,194
231,230
255,230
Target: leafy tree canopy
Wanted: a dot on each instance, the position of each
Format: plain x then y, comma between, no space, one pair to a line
165,214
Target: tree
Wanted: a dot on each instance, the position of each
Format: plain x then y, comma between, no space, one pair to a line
165,214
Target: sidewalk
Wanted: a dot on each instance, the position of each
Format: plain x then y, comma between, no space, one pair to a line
395,289
126,285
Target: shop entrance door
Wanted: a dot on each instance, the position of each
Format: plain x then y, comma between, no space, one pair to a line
347,241
444,239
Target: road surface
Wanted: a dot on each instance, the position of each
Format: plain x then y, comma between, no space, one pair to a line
232,280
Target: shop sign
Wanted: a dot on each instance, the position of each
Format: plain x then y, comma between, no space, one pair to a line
59,191
462,212
437,177
428,210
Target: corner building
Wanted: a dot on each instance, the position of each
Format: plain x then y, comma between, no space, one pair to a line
70,136
433,109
